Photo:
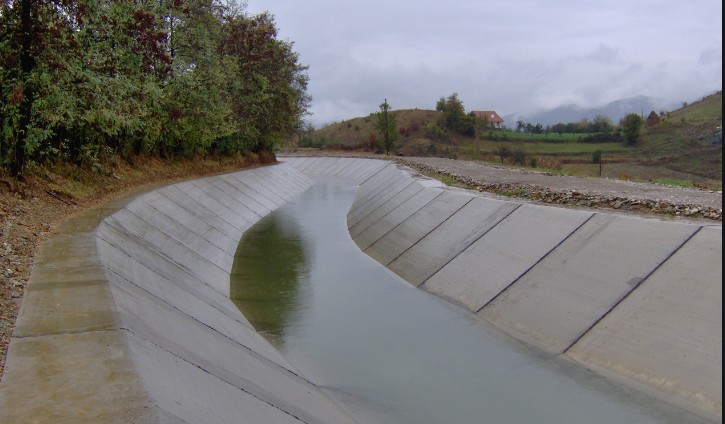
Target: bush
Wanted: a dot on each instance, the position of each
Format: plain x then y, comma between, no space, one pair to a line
415,126
519,155
533,162
596,156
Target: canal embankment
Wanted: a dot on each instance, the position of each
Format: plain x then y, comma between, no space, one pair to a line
127,313
638,300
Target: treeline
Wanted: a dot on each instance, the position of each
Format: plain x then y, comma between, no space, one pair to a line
83,80
600,124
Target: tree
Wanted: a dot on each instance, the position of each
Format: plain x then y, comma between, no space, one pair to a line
503,151
454,113
631,125
520,125
387,126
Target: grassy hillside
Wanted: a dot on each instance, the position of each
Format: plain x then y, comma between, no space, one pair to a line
677,151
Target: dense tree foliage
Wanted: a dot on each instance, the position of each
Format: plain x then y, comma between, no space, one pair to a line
631,125
84,79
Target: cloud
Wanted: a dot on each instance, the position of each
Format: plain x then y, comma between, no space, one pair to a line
513,56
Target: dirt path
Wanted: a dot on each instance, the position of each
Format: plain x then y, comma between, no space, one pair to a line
601,187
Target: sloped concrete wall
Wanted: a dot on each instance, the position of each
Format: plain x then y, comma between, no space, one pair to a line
635,299
135,324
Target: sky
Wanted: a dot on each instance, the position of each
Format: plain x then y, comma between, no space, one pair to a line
512,56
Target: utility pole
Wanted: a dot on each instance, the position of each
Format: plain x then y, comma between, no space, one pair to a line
600,165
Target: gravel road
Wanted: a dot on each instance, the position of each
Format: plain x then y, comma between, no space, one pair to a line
602,187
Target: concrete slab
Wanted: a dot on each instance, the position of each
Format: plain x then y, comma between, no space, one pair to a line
170,286
317,166
368,170
452,237
342,164
267,198
375,183
211,267
386,178
194,308
209,188
180,260
370,217
375,180
300,181
270,188
59,308
373,198
314,162
192,223
413,229
379,201
276,181
396,217
503,255
195,396
244,195
354,169
581,280
210,201
329,164
217,255
68,250
299,162
191,205
668,333
73,378
190,341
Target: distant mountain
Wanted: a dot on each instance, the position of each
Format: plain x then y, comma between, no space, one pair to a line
615,110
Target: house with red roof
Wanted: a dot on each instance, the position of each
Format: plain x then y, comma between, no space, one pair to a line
493,118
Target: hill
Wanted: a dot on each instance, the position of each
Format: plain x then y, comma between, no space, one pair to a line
678,151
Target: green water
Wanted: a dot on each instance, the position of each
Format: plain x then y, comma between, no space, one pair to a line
392,354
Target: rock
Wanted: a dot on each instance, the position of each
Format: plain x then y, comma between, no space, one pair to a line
618,205
15,295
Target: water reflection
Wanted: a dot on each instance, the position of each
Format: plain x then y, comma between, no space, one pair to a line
393,354
269,276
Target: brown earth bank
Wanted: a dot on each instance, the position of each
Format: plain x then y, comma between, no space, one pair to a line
30,210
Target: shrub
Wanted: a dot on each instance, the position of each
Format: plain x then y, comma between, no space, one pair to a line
415,126
596,156
519,155
533,162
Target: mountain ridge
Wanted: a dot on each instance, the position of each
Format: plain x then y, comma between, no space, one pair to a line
575,113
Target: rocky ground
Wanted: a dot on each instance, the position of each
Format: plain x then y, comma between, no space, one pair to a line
551,188
30,210
575,191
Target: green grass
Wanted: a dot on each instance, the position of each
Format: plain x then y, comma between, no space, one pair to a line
671,182
512,193
447,180
526,136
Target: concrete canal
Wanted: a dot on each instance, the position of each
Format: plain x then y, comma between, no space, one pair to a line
389,353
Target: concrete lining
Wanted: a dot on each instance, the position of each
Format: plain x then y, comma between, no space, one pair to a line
127,314
133,321
634,296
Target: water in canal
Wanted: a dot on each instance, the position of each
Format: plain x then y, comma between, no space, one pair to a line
393,354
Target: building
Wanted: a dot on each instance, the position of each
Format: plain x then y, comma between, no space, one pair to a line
493,118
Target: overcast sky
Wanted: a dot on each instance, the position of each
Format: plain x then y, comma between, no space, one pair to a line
513,56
